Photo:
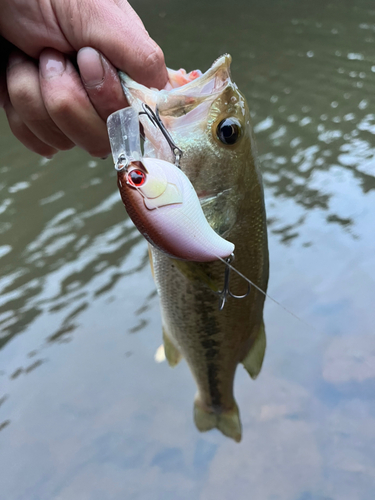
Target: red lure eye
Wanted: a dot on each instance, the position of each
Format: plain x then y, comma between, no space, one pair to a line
136,178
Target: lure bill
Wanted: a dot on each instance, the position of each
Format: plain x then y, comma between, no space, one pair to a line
207,117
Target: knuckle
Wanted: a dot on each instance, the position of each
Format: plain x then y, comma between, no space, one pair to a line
155,60
58,103
47,131
59,141
15,123
53,136
23,96
23,134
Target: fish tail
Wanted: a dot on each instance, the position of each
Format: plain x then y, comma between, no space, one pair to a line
228,421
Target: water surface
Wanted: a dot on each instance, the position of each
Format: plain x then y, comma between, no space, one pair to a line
85,411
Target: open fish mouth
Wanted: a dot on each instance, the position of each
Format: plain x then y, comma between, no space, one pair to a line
183,91
183,105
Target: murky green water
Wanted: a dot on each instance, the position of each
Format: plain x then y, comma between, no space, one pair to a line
86,413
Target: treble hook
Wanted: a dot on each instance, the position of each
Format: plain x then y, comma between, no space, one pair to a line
225,292
156,121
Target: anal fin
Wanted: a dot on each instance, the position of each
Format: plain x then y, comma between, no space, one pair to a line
172,354
254,358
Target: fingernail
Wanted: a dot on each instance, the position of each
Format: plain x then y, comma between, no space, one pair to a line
52,64
90,67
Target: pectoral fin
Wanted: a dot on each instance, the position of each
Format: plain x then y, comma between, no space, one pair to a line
254,359
151,261
172,354
228,422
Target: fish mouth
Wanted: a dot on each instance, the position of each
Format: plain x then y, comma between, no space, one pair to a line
180,99
179,106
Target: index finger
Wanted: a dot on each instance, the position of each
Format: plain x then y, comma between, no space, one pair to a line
113,28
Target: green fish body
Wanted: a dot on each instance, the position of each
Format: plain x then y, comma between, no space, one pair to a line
209,120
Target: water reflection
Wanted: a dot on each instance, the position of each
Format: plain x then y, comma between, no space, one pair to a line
67,249
84,409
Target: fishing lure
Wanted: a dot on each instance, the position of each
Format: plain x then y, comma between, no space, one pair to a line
158,196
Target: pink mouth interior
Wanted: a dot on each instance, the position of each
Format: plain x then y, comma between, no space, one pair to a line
180,78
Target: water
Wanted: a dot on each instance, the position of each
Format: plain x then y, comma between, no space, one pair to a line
85,411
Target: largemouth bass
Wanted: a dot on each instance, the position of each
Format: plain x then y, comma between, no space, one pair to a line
208,118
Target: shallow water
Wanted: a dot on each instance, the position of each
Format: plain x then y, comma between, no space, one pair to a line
85,411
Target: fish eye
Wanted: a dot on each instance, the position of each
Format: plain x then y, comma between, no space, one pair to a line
136,178
229,131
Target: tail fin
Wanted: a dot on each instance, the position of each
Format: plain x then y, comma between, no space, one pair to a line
228,422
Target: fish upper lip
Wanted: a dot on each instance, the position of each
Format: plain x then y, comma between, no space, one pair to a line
223,62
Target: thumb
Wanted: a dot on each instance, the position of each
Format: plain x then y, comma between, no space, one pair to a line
116,31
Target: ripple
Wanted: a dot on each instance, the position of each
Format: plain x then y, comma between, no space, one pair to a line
355,56
52,198
4,250
265,124
76,283
20,186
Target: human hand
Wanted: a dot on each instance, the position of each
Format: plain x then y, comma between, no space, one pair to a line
49,105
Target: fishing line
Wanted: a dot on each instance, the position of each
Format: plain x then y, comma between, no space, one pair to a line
264,293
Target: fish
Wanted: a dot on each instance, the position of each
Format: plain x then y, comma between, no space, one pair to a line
209,119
